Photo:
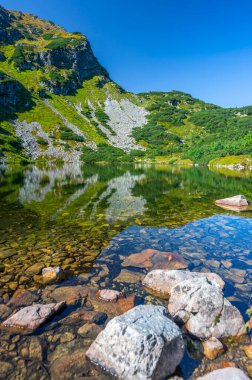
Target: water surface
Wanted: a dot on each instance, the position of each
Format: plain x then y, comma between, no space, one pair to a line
85,217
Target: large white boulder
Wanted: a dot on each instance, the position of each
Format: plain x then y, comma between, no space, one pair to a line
203,309
237,201
140,344
162,281
229,373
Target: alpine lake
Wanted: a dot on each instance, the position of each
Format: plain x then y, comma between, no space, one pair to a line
88,220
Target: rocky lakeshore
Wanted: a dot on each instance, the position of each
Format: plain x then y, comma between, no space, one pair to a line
103,255
65,330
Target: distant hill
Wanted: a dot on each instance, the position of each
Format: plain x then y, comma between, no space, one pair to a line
58,103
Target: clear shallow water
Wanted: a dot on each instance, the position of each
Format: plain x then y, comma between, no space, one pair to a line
71,214
90,219
221,243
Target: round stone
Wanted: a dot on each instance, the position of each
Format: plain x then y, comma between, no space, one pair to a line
109,295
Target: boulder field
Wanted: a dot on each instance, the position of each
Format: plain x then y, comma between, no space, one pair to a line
196,300
102,333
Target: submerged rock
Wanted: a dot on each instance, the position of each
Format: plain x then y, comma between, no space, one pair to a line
35,269
130,277
203,309
162,281
70,366
5,311
31,317
212,348
225,374
109,295
152,258
33,349
52,274
89,330
140,344
248,350
23,297
118,307
5,369
72,295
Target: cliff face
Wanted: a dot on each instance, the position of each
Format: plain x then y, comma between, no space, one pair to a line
65,59
78,63
10,90
8,33
14,97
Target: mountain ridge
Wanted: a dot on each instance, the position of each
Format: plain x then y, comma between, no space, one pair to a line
58,103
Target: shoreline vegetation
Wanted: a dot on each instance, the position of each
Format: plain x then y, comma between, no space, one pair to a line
135,270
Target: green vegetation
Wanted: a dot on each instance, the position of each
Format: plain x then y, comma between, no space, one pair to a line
243,160
180,129
103,119
61,43
48,36
18,57
103,153
228,133
108,153
42,141
71,136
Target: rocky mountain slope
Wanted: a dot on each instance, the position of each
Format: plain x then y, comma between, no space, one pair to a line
57,102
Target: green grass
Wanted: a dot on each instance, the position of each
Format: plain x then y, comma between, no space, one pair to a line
243,160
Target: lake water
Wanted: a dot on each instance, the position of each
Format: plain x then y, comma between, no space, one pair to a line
89,219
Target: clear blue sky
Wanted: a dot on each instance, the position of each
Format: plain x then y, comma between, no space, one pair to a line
203,47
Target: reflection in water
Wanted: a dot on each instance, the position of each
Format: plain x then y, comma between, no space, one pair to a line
66,216
121,203
39,182
77,194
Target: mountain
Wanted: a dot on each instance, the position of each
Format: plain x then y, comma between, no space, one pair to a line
58,103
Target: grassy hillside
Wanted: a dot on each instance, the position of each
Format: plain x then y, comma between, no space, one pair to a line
57,102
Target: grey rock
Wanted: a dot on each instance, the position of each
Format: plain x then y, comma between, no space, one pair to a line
230,323
79,59
31,317
162,281
203,309
237,200
124,116
140,344
229,373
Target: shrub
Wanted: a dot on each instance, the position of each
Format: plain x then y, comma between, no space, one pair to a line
154,134
42,141
58,43
71,136
104,152
61,43
18,56
48,36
